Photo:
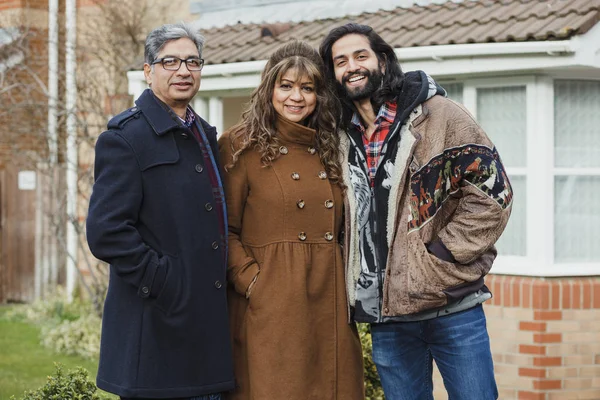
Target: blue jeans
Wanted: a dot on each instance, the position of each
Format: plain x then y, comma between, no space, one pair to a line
459,344
216,396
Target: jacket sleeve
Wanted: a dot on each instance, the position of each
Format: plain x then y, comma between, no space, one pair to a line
241,267
485,194
113,213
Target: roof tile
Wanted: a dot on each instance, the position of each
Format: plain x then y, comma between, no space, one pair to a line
434,24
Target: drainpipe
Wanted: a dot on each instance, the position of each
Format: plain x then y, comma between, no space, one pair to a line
71,155
51,260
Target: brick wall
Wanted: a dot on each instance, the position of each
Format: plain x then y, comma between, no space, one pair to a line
545,337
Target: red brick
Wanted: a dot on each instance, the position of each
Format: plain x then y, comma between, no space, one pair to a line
506,297
577,294
524,395
547,338
587,294
555,296
547,361
516,291
526,293
566,295
533,372
497,300
541,294
532,326
547,385
532,349
596,294
547,315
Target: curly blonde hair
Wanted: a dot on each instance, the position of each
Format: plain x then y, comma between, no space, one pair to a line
257,129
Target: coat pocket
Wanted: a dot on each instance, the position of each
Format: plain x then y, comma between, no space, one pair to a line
169,298
434,278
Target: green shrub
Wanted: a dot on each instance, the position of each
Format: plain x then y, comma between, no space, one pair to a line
373,389
74,385
78,337
68,327
51,310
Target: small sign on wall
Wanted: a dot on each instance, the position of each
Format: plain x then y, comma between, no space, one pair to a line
27,180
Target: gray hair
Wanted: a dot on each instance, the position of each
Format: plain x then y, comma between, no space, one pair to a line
166,33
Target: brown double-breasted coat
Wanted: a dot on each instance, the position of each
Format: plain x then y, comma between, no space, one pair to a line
291,338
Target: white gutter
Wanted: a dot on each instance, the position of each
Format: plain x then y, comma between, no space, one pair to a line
462,58
487,49
233,68
71,156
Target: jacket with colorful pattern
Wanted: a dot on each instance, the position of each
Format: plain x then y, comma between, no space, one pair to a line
449,201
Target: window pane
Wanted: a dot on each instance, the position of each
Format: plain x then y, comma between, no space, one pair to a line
454,91
577,123
577,220
502,113
513,241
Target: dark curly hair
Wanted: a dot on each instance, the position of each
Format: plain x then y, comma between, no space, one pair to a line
392,79
257,129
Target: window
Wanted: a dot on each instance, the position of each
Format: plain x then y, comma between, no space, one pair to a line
576,171
502,113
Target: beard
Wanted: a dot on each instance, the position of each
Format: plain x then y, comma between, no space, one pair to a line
374,80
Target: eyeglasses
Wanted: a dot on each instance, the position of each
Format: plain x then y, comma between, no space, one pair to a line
174,63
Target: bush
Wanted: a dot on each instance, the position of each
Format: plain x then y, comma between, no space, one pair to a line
78,337
75,385
373,389
51,310
66,327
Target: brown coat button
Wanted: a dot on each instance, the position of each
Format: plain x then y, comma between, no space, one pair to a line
329,204
302,236
295,176
329,236
283,150
322,175
312,150
300,204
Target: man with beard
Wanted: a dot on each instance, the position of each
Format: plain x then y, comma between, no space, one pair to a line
422,240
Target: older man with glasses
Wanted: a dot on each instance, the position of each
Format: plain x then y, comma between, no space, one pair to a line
157,216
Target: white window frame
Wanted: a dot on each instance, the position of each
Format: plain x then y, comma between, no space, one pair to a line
539,173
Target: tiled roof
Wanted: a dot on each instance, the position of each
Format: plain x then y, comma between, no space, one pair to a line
482,21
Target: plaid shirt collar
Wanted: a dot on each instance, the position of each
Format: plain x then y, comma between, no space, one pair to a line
387,112
190,117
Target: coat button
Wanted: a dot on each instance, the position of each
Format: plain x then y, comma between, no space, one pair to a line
329,204
300,204
386,310
302,236
145,290
329,236
215,245
322,175
185,135
218,284
295,176
208,207
199,168
283,150
312,150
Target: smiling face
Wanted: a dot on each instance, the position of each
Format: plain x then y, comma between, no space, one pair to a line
357,69
174,88
294,96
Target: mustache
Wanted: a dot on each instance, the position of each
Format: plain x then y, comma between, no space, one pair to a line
365,73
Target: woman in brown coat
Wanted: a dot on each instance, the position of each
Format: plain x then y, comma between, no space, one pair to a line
287,297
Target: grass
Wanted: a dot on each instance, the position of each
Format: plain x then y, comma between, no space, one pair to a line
24,363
